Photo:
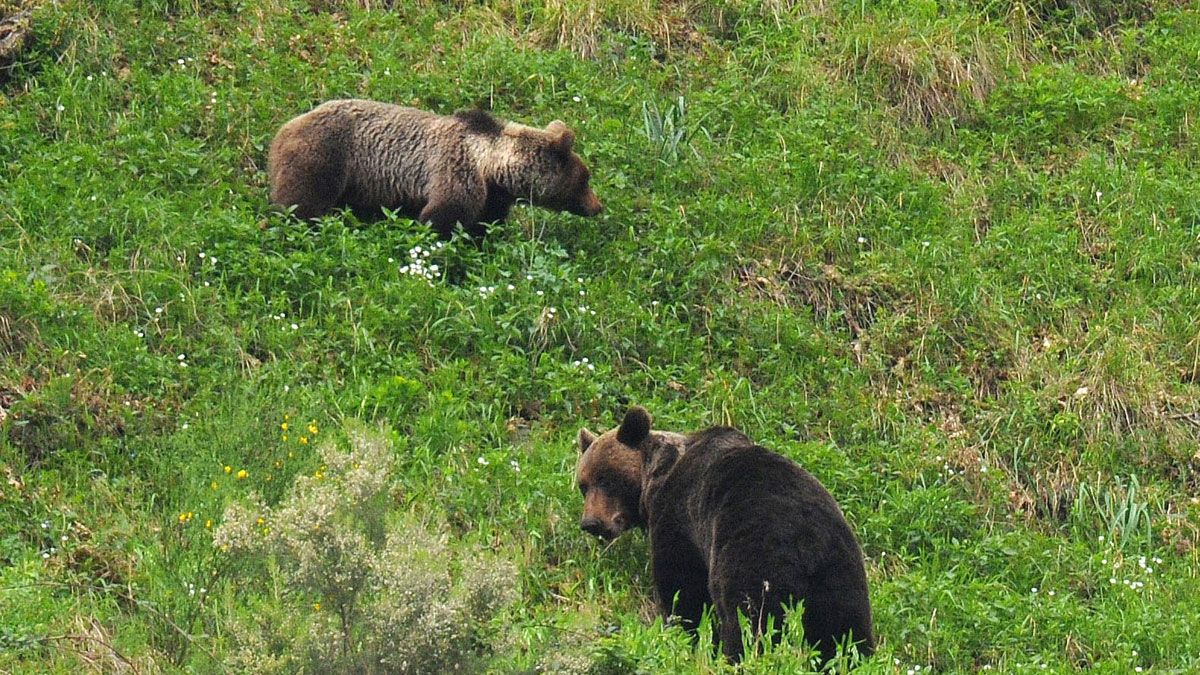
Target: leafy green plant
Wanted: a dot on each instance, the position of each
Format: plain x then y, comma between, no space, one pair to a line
1120,510
668,130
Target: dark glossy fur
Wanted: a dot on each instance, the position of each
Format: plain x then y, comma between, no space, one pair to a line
736,526
467,168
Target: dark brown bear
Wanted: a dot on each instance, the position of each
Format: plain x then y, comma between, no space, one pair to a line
466,168
732,525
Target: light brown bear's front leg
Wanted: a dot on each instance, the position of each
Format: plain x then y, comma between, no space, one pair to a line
443,216
454,201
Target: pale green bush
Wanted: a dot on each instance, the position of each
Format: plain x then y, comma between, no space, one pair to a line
378,592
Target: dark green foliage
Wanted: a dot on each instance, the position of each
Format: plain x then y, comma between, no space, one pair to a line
943,254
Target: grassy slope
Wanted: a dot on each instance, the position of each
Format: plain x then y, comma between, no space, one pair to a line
945,257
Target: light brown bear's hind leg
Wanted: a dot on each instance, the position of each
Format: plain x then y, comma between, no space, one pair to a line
308,171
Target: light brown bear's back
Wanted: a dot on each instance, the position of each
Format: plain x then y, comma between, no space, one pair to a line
391,151
361,153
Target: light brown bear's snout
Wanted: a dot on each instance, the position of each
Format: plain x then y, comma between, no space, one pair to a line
590,206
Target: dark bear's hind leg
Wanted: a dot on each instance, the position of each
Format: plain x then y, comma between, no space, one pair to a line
761,604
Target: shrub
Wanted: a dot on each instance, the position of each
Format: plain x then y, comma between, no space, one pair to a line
374,593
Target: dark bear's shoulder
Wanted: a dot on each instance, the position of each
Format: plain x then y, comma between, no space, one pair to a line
724,458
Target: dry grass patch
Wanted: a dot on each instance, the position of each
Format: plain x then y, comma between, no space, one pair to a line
15,35
1105,383
584,26
832,296
93,645
932,72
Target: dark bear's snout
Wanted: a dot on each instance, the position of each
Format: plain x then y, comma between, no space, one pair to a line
606,531
594,527
602,515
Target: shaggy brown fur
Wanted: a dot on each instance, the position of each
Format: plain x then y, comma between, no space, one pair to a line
467,168
732,525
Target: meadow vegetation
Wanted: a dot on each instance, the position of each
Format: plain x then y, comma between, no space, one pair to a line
946,255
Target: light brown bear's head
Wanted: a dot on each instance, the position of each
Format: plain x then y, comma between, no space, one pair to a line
610,473
558,179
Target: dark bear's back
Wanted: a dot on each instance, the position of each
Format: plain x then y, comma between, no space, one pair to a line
763,518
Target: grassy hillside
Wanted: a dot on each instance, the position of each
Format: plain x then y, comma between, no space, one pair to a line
946,255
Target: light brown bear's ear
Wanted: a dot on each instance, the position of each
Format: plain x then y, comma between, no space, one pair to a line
586,438
562,138
635,427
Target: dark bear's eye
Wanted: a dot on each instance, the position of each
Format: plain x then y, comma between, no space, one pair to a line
583,488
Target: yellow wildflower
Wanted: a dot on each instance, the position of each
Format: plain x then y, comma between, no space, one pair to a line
241,475
316,606
284,426
312,428
285,437
214,485
228,468
304,440
208,524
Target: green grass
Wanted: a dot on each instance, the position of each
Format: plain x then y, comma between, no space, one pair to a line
945,255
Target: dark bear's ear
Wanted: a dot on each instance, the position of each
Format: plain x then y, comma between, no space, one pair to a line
586,438
635,427
562,138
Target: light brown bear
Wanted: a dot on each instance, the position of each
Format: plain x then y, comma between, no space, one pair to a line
731,525
467,168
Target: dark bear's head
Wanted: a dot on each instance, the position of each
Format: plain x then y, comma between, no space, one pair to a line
613,468
560,179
